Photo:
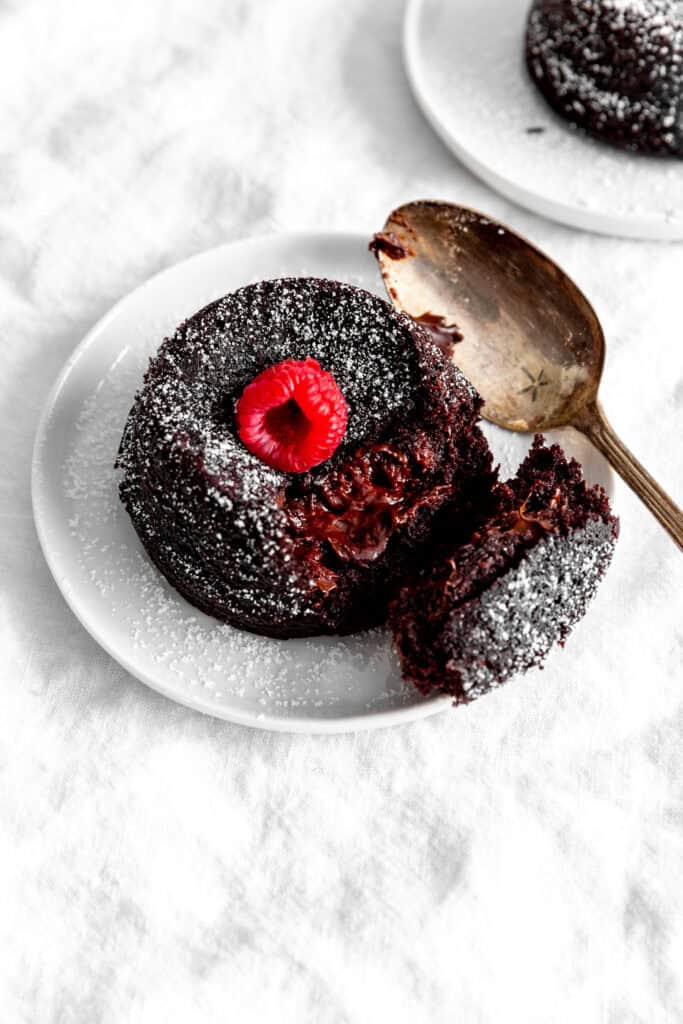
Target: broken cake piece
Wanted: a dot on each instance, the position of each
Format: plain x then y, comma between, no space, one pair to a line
492,607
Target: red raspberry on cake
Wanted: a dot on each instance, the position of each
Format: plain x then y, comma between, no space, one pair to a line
292,415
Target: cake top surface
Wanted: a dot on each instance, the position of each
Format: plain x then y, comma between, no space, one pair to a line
606,33
610,32
613,66
370,349
647,10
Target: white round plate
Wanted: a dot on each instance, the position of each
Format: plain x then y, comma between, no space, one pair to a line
327,684
465,61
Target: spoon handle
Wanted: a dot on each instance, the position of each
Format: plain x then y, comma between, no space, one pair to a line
592,422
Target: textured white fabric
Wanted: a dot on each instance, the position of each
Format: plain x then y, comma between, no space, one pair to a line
519,860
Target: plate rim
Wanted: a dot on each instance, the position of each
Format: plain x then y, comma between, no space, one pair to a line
40,503
634,228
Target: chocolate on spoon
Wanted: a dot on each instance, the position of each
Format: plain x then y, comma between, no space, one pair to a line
531,343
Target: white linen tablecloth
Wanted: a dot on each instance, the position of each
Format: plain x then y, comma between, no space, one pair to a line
518,860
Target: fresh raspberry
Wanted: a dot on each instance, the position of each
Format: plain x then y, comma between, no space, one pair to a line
292,415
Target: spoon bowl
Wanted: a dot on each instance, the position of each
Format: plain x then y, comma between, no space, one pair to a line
514,323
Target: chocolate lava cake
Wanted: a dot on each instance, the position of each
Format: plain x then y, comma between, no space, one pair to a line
295,553
613,68
495,605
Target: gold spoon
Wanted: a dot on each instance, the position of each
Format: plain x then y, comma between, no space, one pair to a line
527,338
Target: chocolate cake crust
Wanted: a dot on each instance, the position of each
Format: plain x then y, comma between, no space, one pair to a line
298,554
613,68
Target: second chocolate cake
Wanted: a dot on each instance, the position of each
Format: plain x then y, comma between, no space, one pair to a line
613,68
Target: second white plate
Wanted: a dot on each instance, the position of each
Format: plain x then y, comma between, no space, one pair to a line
466,64
326,684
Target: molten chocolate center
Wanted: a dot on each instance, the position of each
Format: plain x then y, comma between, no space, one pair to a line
355,509
444,334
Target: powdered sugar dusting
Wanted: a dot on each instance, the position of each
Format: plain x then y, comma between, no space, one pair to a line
515,623
613,68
